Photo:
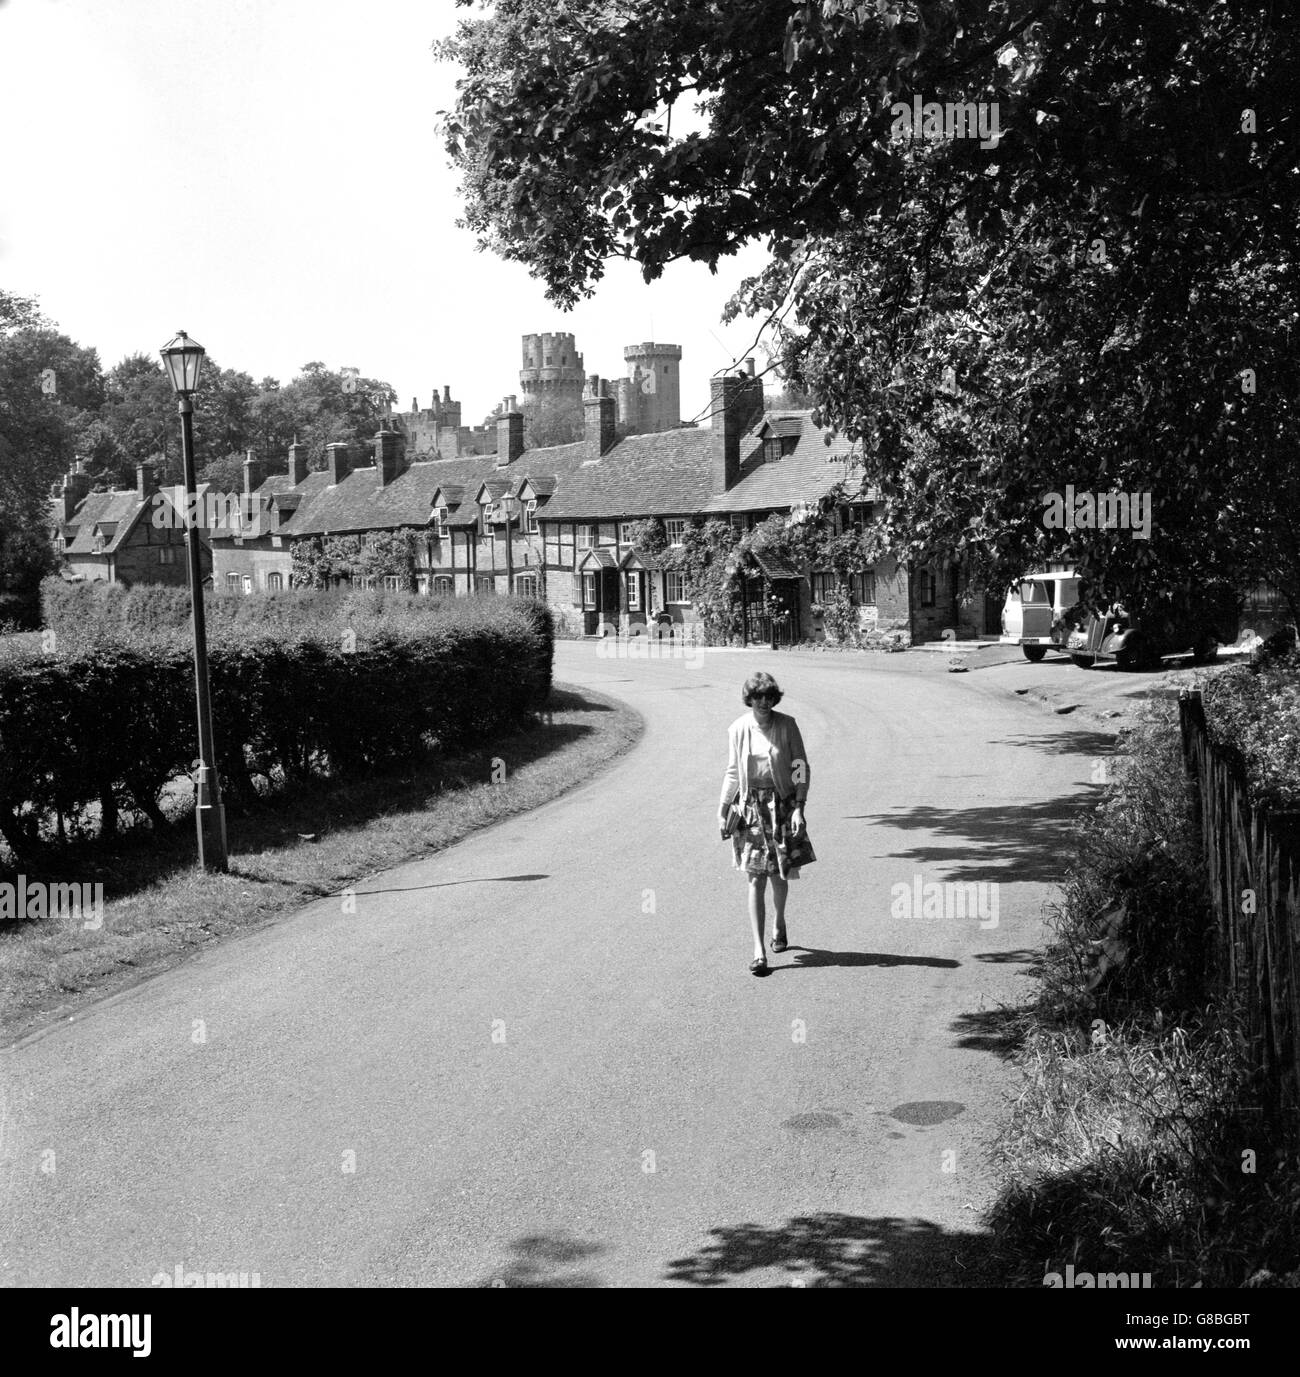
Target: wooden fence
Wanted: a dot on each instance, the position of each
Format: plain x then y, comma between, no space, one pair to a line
1253,865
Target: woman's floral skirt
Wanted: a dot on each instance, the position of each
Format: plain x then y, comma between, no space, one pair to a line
764,843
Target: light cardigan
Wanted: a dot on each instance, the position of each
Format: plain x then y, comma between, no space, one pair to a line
787,748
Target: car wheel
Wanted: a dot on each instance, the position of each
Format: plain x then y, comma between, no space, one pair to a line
1135,653
1034,653
1084,661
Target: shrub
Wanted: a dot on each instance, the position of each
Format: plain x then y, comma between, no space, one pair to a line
1252,713
113,724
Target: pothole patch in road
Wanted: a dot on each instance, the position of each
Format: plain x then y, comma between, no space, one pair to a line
815,1122
926,1111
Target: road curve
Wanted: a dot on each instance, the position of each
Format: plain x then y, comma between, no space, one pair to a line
538,1058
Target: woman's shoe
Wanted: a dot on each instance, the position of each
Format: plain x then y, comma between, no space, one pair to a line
779,944
758,966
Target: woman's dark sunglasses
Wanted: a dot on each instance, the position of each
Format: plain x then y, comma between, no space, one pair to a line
765,696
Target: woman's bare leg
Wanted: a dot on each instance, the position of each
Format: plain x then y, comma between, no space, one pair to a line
780,889
757,885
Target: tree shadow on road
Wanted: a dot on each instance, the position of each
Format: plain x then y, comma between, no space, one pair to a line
806,957
540,1262
1002,842
828,1250
1089,743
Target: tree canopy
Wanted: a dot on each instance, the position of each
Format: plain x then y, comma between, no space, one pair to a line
1016,245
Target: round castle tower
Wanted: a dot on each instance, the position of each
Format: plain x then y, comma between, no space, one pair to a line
649,399
552,367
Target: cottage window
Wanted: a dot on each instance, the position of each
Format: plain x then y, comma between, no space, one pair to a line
485,584
863,588
589,591
823,587
274,583
392,583
530,523
633,590
676,528
526,585
676,586
166,554
625,532
591,536
925,584
444,586
232,583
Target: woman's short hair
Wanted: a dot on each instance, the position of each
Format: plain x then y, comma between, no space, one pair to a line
761,683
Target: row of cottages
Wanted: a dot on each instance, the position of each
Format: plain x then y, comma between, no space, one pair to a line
557,522
131,535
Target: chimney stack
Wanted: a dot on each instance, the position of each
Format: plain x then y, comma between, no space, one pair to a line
297,462
729,397
749,367
446,392
340,461
386,456
254,473
598,432
76,487
510,434
146,481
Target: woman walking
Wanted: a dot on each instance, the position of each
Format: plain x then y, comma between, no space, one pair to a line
767,781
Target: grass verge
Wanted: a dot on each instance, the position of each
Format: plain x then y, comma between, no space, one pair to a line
1137,1143
297,846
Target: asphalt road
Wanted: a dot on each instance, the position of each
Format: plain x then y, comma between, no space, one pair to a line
539,1059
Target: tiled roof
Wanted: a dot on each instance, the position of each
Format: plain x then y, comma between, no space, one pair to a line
809,471
113,515
598,555
360,504
664,474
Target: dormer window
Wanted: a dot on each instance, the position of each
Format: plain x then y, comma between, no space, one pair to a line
531,525
777,446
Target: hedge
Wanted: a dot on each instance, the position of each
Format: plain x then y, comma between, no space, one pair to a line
1252,712
116,725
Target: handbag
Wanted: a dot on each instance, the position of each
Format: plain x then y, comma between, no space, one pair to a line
734,815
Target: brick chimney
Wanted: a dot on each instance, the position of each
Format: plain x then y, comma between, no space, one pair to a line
76,487
297,462
730,409
386,456
146,481
510,434
254,473
598,431
340,461
446,392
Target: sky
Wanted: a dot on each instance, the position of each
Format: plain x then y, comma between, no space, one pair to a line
266,175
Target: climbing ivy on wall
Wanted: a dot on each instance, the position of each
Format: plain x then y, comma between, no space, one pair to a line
319,561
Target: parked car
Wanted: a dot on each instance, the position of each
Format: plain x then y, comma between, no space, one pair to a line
1188,626
1033,616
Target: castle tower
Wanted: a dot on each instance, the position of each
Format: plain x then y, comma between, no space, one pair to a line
650,397
552,368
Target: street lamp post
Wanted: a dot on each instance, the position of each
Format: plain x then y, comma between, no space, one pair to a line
507,503
184,360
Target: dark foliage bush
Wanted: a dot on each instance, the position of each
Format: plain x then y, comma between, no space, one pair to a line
336,685
1252,713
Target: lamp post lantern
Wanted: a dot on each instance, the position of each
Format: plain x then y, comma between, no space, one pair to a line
183,358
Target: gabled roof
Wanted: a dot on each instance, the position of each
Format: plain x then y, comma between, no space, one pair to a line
807,473
663,474
360,504
601,557
109,517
